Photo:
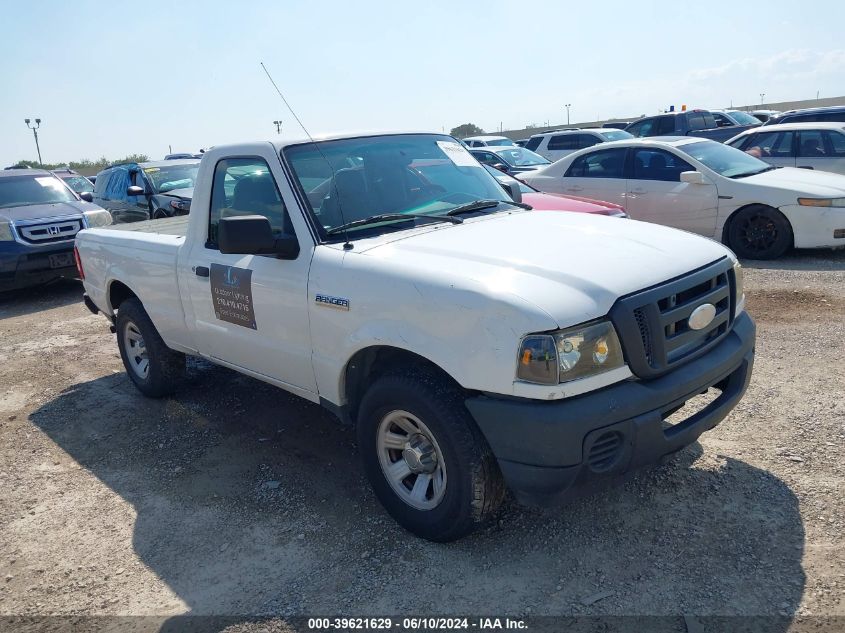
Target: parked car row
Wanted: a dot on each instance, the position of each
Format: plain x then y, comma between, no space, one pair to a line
708,188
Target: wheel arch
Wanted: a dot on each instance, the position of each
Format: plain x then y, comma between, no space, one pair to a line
117,293
369,363
732,217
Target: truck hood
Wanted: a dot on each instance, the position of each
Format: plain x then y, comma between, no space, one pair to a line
37,211
800,181
572,266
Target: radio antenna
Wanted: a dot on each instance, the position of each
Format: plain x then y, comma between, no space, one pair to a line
347,246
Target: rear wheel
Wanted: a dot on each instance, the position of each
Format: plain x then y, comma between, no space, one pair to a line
151,365
759,232
428,463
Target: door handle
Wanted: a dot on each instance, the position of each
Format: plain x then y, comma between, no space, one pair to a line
638,190
201,271
575,188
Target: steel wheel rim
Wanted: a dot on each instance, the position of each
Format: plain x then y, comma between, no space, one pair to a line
411,460
136,350
759,233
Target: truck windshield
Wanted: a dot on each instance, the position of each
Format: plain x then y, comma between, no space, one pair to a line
725,160
170,177
352,179
22,191
743,118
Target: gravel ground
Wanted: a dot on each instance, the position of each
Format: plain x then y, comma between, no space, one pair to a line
113,504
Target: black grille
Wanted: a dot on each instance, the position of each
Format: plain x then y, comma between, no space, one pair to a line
605,451
654,324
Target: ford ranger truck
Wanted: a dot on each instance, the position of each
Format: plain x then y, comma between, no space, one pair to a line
476,346
39,218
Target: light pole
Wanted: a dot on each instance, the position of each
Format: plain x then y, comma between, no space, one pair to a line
278,125
567,113
762,97
35,133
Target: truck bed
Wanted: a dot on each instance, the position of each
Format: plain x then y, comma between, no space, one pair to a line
177,226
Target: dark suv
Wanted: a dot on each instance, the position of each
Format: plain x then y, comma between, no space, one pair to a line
145,191
39,219
810,115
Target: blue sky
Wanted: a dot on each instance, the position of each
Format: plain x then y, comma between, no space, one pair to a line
111,78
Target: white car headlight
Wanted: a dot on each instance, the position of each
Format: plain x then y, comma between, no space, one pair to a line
97,217
570,354
6,232
821,202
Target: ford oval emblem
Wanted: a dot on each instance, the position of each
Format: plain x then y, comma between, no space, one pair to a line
702,316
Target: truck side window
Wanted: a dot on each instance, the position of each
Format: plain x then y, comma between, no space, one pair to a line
245,186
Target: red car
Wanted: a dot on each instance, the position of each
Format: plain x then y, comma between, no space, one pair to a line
558,201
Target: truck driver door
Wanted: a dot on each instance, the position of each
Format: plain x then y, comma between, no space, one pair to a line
251,310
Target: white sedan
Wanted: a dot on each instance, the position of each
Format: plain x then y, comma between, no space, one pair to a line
757,209
819,146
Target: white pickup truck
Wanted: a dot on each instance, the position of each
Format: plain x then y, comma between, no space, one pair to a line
474,344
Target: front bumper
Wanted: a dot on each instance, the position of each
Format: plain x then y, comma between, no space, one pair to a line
547,450
22,266
816,227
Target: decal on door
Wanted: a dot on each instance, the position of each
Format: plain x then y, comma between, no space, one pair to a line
231,293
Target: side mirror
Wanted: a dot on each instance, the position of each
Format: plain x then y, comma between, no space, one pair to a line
693,178
87,196
252,235
513,190
135,190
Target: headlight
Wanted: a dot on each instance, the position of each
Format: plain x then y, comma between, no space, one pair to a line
181,205
740,288
97,217
585,350
6,232
821,202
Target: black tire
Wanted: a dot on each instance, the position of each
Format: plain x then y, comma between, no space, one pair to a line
759,232
164,366
474,488
159,214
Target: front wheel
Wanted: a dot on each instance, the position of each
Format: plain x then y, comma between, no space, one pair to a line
428,463
759,232
153,367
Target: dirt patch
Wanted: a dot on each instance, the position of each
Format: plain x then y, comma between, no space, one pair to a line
211,502
781,305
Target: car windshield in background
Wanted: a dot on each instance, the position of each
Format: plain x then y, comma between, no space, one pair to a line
616,135
79,183
519,157
506,142
25,191
170,177
353,179
743,118
725,160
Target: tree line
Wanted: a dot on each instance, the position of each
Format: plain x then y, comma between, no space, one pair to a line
86,164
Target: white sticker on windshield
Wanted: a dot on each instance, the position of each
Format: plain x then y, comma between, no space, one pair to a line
48,181
457,154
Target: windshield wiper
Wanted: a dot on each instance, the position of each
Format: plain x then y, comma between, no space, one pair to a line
388,217
475,205
754,173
